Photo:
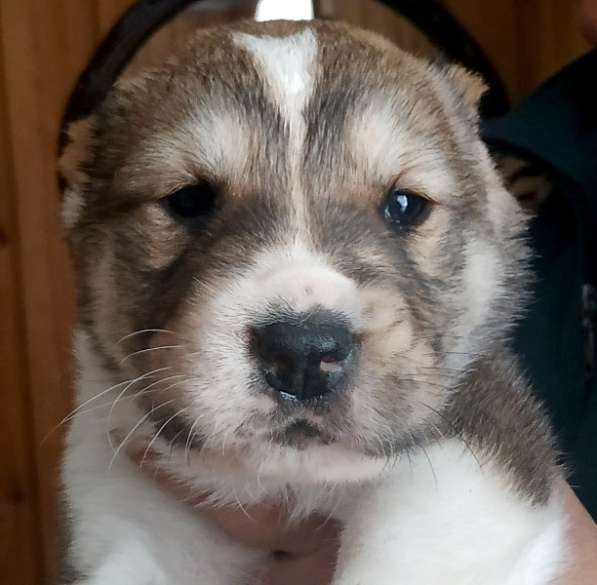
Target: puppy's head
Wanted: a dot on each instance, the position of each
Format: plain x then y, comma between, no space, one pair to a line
293,236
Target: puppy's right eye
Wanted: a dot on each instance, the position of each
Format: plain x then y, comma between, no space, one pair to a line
191,202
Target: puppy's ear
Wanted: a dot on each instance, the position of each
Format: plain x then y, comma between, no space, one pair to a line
470,86
73,164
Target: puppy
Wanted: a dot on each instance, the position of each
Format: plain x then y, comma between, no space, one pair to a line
297,273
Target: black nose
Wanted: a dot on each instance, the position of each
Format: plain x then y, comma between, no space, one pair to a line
305,357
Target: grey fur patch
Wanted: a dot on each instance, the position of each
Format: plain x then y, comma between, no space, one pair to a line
495,413
67,573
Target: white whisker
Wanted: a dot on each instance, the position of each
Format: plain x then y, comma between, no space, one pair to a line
132,431
157,434
190,437
142,331
147,350
123,392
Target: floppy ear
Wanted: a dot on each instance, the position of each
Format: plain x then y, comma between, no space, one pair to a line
75,156
470,86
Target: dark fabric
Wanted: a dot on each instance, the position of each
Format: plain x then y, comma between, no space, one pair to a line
556,129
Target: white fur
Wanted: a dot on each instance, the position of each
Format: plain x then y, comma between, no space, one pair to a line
438,518
125,530
293,276
449,520
287,65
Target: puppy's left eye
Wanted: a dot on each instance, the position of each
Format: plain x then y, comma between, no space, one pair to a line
191,202
405,209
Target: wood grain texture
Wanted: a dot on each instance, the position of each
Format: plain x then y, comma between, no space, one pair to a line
551,38
19,526
526,40
43,46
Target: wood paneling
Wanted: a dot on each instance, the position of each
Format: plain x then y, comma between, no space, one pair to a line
19,526
43,45
526,40
550,30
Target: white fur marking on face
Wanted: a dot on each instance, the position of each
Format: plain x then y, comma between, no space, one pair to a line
291,276
286,63
287,66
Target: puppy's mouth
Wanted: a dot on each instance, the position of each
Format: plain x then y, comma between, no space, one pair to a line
301,434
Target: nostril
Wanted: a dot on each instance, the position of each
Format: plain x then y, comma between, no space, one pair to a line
304,357
329,363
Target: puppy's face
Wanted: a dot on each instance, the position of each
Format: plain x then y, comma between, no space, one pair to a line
292,235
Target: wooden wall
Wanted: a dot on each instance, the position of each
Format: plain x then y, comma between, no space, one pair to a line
527,40
43,45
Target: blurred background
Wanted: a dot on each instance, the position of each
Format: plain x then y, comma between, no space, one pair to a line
43,46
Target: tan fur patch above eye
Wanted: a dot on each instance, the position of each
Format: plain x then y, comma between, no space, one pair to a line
213,145
383,151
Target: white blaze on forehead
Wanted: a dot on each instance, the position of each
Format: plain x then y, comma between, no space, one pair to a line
287,65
